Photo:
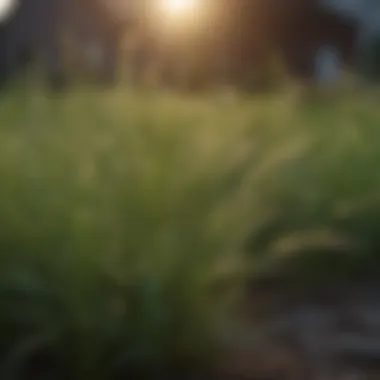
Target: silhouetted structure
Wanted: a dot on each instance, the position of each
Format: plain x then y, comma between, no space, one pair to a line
237,41
244,34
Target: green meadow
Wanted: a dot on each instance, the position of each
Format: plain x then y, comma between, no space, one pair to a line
131,219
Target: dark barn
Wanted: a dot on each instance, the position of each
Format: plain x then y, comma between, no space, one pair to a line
293,29
242,35
306,29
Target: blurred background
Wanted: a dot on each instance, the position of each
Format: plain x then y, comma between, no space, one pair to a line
189,189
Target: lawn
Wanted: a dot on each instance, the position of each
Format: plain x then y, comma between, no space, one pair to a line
129,220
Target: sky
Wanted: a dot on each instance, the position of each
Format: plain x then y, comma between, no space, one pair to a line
6,7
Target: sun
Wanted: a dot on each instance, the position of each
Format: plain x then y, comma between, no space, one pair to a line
6,8
176,8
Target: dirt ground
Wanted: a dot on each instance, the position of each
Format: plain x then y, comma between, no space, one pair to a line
289,331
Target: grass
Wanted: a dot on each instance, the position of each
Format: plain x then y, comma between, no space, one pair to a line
125,215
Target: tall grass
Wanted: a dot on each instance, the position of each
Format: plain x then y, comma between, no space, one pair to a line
119,214
124,218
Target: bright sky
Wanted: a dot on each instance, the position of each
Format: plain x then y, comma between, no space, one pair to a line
6,7
177,6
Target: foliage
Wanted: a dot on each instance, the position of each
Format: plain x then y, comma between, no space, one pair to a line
323,217
121,213
124,216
